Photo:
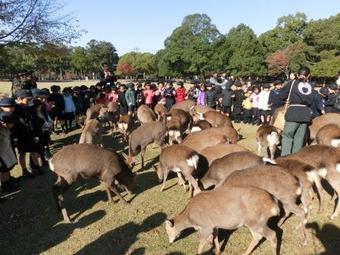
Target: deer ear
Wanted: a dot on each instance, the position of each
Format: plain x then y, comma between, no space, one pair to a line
169,223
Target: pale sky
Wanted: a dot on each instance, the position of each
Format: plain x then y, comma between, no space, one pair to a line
145,24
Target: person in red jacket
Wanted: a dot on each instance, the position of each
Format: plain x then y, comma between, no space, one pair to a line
180,92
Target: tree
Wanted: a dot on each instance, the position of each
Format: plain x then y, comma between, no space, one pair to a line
136,63
188,49
326,68
125,69
35,21
247,56
80,61
277,63
289,30
99,52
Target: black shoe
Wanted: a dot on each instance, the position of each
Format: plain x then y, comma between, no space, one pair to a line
27,175
9,187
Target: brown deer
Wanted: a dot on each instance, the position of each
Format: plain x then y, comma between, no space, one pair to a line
267,139
329,135
227,208
85,161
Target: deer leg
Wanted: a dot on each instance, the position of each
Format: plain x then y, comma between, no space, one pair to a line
216,242
300,213
204,236
115,191
256,239
142,157
193,183
164,180
108,192
319,190
181,181
334,181
272,150
59,188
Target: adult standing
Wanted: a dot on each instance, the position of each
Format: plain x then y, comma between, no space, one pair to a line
107,78
300,97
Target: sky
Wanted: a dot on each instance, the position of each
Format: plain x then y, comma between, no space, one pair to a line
143,25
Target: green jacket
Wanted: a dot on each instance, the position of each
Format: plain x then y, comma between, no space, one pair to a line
130,97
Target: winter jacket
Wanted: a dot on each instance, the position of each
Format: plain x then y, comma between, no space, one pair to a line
300,101
210,98
238,99
180,94
123,106
69,104
148,94
6,152
226,96
201,98
130,97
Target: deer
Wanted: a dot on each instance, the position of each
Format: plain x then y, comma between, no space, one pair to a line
145,114
267,139
278,182
216,119
140,138
181,160
85,161
329,135
200,125
185,105
321,121
160,111
210,137
178,123
92,132
221,168
227,208
326,160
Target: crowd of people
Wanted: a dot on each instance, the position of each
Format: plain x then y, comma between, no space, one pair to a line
31,114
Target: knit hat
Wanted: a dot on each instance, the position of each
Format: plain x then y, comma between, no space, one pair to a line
7,102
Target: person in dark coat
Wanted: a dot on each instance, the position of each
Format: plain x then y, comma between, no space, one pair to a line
226,99
211,96
123,106
331,98
237,102
107,78
275,100
299,93
169,94
318,104
25,133
58,105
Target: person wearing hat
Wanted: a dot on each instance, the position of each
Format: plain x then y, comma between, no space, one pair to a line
7,104
130,97
275,100
180,92
330,103
25,131
7,156
299,114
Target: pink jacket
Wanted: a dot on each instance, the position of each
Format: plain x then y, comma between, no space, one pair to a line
148,94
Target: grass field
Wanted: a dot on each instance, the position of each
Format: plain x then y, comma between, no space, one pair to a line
30,223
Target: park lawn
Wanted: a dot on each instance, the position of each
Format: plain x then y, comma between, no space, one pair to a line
30,223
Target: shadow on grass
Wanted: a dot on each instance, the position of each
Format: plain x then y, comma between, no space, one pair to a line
329,236
119,240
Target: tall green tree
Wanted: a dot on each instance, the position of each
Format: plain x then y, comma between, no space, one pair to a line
247,56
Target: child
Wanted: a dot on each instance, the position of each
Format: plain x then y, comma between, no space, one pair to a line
201,96
193,92
148,95
69,109
180,92
123,106
237,102
130,98
246,104
159,94
7,156
210,96
139,95
254,99
169,94
275,100
225,100
263,104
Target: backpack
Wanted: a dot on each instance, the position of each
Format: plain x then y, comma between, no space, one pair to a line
337,103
